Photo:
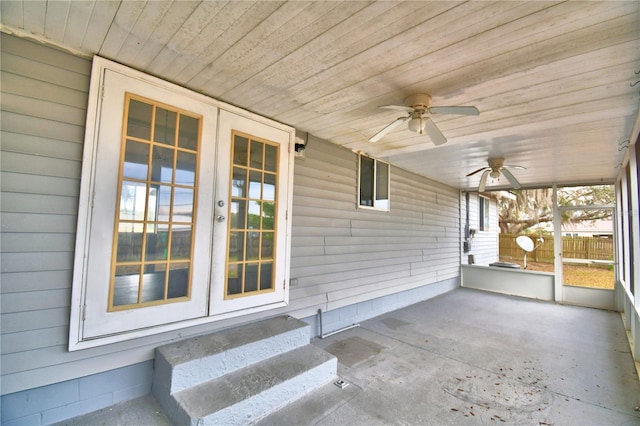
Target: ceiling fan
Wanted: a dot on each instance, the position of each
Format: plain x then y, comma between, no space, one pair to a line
417,106
495,168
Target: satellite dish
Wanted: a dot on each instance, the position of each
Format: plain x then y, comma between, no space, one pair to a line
526,244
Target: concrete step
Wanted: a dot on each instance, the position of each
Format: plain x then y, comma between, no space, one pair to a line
247,395
188,363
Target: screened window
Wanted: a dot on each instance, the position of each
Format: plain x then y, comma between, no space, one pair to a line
483,208
373,183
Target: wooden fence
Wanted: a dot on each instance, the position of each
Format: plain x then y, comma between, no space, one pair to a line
572,247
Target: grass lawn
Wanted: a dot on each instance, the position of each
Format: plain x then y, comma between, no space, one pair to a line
576,275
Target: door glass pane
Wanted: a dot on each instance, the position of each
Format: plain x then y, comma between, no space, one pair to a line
156,213
182,205
239,182
255,185
180,242
234,278
240,150
268,215
127,283
266,276
266,251
269,188
189,132
252,212
178,285
165,126
186,168
156,248
129,243
139,120
133,199
257,151
270,158
162,165
238,214
153,283
136,160
251,278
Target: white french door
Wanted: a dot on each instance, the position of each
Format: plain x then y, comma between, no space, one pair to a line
152,190
250,259
183,215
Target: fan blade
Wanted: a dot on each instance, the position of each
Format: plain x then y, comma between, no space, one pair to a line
515,167
511,178
457,110
390,127
397,108
477,171
483,180
434,133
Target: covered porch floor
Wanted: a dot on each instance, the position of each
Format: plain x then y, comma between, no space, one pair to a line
465,357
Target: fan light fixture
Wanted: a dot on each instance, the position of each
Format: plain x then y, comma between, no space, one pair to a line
417,107
417,123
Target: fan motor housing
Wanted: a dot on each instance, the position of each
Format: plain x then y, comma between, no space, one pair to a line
418,101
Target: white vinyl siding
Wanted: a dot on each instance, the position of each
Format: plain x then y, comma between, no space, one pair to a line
340,254
484,244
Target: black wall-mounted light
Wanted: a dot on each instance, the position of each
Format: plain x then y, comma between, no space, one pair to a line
302,139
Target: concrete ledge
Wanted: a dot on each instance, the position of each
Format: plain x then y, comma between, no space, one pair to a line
514,282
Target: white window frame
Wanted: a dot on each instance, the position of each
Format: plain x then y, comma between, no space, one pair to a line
379,205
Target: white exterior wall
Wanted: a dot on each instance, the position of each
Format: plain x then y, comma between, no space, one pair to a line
341,255
484,244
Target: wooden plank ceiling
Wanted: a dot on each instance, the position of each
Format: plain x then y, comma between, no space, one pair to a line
556,83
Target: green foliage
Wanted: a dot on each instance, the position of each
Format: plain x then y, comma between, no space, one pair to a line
533,207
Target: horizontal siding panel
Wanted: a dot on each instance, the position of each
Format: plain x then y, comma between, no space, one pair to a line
30,281
339,302
41,146
45,73
324,189
329,173
46,56
330,276
33,126
37,242
317,231
37,222
34,300
15,82
307,205
28,262
26,321
300,241
37,203
43,185
46,110
35,339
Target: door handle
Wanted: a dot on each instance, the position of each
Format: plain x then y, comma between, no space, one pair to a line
220,218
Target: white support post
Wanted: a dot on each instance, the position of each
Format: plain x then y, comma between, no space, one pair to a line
557,248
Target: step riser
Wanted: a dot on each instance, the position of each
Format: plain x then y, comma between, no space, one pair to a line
239,376
170,378
259,406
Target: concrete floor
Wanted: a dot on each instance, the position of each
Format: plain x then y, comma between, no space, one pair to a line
466,357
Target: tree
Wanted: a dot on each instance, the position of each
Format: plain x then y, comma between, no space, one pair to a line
535,206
